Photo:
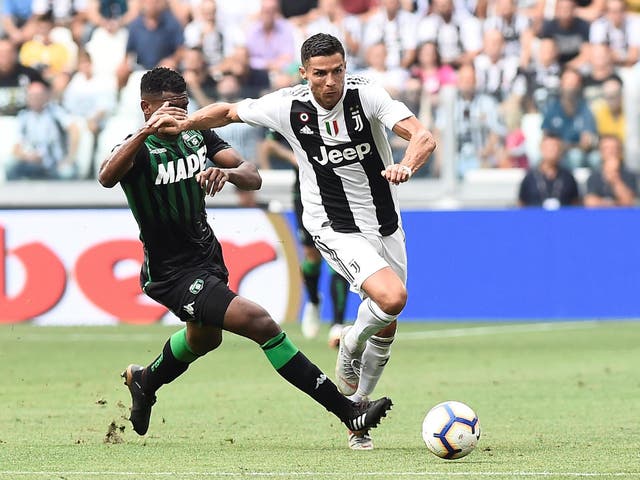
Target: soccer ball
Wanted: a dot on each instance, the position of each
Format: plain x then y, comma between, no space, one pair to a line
451,430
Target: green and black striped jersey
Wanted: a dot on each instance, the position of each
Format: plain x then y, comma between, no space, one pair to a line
168,204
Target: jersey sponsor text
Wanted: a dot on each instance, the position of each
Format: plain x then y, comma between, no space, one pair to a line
182,168
339,155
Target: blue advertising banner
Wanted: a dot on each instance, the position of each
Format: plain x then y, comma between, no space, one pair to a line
527,264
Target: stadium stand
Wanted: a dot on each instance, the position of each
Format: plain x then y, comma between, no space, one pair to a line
439,186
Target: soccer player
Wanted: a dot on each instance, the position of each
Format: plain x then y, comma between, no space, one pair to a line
165,179
348,180
275,145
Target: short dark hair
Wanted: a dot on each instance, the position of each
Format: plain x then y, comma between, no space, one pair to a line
162,79
552,134
320,45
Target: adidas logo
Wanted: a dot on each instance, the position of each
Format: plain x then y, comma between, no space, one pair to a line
306,130
358,423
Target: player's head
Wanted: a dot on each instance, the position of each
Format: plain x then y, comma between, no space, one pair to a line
324,68
161,85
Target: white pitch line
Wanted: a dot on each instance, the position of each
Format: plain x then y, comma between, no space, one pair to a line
323,474
495,329
439,333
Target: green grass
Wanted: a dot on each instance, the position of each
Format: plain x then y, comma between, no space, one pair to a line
554,401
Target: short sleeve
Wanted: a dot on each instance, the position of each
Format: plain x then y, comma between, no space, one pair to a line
213,143
383,107
262,112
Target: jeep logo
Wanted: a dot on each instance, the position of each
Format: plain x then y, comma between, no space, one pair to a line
337,155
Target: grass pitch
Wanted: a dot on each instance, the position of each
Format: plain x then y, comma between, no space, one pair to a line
554,401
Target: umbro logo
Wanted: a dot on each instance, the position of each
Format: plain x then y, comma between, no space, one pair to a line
306,130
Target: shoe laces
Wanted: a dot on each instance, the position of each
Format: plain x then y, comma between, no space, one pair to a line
362,406
356,366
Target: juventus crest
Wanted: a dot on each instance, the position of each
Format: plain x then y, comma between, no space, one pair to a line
355,114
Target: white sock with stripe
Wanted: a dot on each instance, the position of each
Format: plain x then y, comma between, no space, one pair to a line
370,320
374,358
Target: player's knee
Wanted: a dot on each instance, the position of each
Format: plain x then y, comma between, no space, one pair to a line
393,301
264,328
202,344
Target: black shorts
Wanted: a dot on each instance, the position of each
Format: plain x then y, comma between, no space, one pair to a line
195,295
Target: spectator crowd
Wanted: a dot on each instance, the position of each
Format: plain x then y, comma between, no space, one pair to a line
537,85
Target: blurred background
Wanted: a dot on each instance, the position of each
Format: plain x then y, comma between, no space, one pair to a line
534,103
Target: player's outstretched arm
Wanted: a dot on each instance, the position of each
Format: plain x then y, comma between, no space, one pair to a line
212,116
421,145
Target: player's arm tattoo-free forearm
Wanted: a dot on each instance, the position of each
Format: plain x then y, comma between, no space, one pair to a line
120,161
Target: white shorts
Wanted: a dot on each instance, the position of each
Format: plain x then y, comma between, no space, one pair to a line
357,256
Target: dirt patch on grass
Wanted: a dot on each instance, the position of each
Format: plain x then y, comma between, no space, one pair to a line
114,433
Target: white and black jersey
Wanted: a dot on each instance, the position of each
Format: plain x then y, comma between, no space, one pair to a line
340,153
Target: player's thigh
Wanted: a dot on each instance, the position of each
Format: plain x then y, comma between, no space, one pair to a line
194,296
387,290
353,255
394,251
387,287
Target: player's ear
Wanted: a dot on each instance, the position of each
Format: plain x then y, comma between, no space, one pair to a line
145,107
303,72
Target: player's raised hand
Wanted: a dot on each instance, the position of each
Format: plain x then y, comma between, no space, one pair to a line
397,173
212,180
167,119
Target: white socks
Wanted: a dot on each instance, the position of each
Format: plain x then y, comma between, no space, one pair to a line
375,351
374,358
370,320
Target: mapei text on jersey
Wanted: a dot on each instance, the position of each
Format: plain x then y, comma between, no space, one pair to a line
182,168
